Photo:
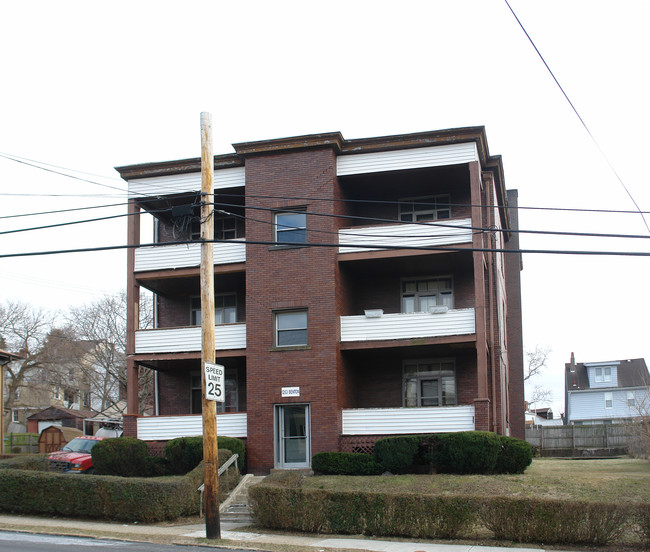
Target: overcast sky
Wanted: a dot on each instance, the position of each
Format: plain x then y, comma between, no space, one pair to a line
90,86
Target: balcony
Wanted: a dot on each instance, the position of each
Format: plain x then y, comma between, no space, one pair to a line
166,257
188,339
401,421
407,326
372,238
163,428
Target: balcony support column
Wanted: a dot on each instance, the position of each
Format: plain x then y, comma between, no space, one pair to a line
132,308
476,193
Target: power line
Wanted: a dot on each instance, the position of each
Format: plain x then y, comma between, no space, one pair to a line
449,248
580,118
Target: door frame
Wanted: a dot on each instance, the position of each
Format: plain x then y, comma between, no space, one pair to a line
278,437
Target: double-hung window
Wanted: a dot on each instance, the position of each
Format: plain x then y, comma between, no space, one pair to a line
423,294
290,227
291,328
225,309
429,383
631,399
609,400
423,209
603,374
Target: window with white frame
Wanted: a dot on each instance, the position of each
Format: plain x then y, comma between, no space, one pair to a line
290,227
422,294
631,399
609,400
291,328
57,393
225,309
15,416
603,374
423,209
85,399
429,383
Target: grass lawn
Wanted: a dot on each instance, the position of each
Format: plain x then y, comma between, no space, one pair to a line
610,480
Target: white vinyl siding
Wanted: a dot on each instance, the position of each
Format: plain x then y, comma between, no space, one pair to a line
401,421
602,375
371,238
592,405
167,257
188,182
405,326
188,339
163,428
415,158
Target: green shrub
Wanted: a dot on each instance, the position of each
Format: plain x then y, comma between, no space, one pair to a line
514,457
276,505
121,456
554,521
130,499
396,454
185,453
157,466
35,462
467,452
345,463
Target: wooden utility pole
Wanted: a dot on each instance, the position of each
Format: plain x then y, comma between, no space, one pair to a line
210,449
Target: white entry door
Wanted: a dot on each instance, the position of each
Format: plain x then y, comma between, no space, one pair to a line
292,440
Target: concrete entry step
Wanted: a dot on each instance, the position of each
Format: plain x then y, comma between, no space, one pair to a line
235,508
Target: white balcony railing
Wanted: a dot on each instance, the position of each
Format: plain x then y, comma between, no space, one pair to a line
400,421
163,428
406,326
188,339
186,255
371,238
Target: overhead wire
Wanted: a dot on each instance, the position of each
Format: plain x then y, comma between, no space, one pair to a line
593,138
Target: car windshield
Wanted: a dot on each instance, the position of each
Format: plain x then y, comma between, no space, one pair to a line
80,445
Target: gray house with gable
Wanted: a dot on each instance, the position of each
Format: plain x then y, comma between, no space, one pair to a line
610,392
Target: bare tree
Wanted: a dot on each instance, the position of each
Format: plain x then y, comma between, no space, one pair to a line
103,323
24,330
540,395
536,361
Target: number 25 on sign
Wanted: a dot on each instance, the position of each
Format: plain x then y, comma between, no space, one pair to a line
214,382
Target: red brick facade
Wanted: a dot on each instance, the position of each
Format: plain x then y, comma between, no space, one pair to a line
333,376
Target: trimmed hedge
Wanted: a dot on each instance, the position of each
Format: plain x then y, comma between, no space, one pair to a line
35,462
514,457
466,452
352,513
121,456
345,463
184,453
130,499
284,505
396,454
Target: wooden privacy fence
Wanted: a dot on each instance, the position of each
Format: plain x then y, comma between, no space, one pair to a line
574,437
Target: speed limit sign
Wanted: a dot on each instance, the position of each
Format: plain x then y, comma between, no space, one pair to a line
214,382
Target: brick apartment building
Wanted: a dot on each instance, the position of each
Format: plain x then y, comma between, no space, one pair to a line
363,288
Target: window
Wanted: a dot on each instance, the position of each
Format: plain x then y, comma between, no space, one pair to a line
291,328
225,228
85,399
422,209
291,227
57,393
609,400
225,309
232,395
422,295
631,400
68,397
603,374
14,415
429,383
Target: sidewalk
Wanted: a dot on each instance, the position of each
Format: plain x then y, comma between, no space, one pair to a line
233,535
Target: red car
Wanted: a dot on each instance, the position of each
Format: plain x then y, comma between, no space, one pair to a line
75,456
